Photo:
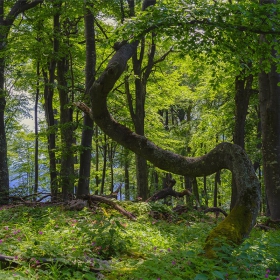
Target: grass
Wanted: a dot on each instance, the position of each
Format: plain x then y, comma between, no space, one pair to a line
52,243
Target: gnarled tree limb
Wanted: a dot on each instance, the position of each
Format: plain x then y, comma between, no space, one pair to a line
111,203
242,218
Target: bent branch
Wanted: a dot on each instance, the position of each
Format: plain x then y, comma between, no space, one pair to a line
242,218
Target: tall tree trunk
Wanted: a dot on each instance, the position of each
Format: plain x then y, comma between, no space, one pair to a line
243,89
66,130
138,120
270,122
4,173
270,130
36,153
87,133
49,78
138,112
51,134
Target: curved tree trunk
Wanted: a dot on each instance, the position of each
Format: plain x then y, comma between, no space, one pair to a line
225,156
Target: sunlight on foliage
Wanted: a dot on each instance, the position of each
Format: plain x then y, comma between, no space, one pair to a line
51,243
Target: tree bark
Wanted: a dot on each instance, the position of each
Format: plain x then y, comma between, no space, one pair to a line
105,151
126,174
270,123
225,156
49,79
66,128
243,89
87,133
270,129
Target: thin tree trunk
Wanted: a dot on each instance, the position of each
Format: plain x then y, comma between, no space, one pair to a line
49,113
188,186
217,182
205,192
36,156
126,175
96,160
111,152
105,148
4,172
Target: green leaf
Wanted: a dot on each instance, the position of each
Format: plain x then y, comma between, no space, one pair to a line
218,274
201,277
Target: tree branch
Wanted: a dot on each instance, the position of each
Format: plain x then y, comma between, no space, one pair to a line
19,7
111,203
225,156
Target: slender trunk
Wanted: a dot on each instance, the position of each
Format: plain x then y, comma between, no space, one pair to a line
4,173
96,160
105,148
111,159
188,186
36,156
87,133
217,182
126,176
51,134
205,192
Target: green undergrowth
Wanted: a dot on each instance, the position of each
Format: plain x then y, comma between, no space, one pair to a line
52,243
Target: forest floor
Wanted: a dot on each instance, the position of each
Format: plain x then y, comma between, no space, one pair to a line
50,242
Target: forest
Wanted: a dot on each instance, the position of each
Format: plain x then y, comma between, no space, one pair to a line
139,139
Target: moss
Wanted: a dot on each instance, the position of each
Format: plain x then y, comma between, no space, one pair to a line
232,230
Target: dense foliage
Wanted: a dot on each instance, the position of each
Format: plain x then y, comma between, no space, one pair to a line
48,243
203,73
